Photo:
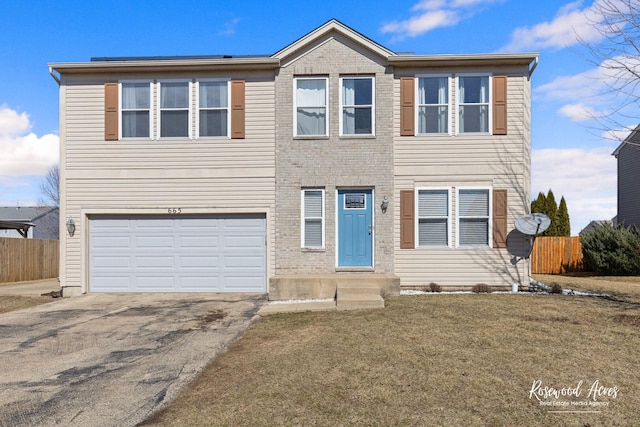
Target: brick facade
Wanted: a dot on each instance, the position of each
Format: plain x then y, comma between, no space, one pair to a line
331,162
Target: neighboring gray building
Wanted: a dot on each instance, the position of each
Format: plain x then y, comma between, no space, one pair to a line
333,159
628,155
38,222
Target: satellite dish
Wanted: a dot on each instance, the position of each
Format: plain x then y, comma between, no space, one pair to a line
532,224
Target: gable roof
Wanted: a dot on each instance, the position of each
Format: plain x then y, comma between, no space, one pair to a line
634,137
333,25
20,213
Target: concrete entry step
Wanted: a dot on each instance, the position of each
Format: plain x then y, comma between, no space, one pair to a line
353,296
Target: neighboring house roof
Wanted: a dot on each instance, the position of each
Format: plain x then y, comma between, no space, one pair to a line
596,223
633,138
26,213
24,218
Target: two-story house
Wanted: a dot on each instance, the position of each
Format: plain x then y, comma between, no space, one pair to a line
332,160
628,158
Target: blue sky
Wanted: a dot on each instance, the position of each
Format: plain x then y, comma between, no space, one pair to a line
569,156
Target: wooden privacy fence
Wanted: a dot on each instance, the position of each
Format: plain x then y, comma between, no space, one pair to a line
557,255
28,259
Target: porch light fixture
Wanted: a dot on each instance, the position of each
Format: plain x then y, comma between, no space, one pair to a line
384,205
71,227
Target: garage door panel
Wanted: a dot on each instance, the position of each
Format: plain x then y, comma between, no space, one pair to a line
244,262
114,283
155,283
211,262
201,241
111,262
111,242
177,254
160,242
241,284
199,283
155,262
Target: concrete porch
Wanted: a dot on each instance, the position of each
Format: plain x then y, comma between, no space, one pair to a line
335,292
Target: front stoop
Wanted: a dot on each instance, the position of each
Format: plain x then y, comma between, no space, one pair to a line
353,296
297,307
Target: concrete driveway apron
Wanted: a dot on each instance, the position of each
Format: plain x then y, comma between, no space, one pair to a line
111,359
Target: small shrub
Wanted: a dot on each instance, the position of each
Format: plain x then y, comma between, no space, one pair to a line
610,250
555,288
481,288
434,287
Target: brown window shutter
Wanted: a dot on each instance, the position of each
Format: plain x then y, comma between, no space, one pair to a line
237,109
111,111
499,105
499,218
407,107
407,221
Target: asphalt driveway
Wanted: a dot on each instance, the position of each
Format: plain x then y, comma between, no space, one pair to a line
111,359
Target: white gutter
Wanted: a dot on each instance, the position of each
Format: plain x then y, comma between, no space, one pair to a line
53,74
535,64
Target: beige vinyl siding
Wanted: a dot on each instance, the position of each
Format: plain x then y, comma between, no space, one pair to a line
86,147
143,176
499,162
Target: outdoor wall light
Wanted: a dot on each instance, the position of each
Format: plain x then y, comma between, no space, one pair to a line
384,205
71,227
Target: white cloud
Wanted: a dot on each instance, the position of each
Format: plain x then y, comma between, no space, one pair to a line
229,27
432,14
579,112
570,25
587,178
23,152
608,93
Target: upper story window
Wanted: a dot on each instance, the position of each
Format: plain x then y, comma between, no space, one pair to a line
174,109
135,107
474,207
213,108
357,106
433,104
311,106
433,217
473,103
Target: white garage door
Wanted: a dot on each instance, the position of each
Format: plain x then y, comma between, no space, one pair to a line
177,254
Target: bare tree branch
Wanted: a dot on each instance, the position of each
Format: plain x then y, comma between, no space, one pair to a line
617,57
50,187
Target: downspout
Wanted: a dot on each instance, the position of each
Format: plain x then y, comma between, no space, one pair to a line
535,64
53,74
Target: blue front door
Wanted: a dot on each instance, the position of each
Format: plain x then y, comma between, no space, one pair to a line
355,228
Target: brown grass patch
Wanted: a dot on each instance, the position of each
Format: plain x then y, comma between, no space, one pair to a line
447,360
627,319
13,302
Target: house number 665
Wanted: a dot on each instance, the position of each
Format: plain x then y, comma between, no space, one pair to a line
175,211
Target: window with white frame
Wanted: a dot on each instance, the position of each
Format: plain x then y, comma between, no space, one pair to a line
473,216
313,218
473,103
213,108
174,109
433,104
135,109
311,106
357,106
433,217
